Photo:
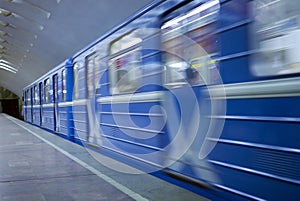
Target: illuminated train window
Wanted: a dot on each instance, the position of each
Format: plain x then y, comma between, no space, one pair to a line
76,81
35,92
276,37
125,56
47,91
189,47
93,64
99,64
64,84
28,97
90,68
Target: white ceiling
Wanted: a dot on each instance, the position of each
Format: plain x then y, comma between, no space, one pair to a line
37,35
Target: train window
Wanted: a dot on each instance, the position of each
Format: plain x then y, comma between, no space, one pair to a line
36,95
93,73
64,84
55,87
276,35
40,92
47,94
76,81
126,41
28,97
90,65
98,62
24,98
189,46
125,59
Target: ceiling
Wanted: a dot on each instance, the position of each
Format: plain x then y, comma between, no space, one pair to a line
37,35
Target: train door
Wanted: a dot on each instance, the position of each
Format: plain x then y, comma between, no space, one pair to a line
31,105
92,64
28,105
36,106
41,102
24,98
55,100
25,105
188,59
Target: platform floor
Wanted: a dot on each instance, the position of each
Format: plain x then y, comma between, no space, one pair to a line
39,166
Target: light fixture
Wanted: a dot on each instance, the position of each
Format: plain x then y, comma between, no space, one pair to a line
3,40
5,61
46,13
8,59
3,52
8,64
15,44
3,33
5,65
5,13
4,24
7,69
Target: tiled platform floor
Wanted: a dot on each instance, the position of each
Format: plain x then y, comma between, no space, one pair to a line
39,166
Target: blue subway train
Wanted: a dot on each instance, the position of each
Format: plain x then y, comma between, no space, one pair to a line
205,91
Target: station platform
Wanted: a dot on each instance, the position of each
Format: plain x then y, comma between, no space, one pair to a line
36,165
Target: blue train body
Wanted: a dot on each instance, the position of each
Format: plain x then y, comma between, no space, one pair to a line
206,91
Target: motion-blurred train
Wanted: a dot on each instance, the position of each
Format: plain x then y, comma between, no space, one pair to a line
205,91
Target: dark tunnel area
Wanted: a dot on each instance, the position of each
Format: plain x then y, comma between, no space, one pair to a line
9,103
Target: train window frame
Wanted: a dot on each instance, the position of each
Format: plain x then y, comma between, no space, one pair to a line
76,81
24,97
91,65
131,39
28,97
274,39
124,63
98,60
193,65
64,84
55,87
35,95
40,86
47,89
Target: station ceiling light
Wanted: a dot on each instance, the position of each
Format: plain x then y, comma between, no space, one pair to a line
6,65
5,13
